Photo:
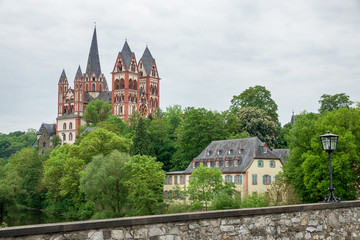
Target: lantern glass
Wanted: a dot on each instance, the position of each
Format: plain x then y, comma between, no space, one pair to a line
329,141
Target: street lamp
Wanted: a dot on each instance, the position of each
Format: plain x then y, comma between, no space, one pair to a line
329,143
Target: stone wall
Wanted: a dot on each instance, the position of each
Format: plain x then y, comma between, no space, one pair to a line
310,221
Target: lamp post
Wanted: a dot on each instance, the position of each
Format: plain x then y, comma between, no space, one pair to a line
329,143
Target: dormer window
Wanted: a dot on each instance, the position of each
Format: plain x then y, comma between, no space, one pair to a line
236,163
217,163
226,162
208,163
217,151
193,164
229,151
239,150
265,147
207,152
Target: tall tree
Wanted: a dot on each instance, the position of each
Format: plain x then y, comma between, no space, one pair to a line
331,102
141,141
307,168
205,182
145,183
104,182
97,111
15,141
258,123
198,128
258,97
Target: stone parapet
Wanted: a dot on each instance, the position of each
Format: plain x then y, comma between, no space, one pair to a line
306,221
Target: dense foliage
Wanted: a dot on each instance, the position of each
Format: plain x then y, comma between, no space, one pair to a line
332,102
15,141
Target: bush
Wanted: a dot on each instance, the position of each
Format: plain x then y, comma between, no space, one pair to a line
225,201
253,201
177,208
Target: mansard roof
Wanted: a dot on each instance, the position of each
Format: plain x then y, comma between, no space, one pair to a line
63,78
93,64
126,55
49,127
243,150
147,60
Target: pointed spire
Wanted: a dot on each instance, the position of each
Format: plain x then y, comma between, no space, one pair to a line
93,64
63,77
126,54
78,74
147,60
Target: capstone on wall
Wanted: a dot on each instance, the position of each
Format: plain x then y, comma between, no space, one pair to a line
311,221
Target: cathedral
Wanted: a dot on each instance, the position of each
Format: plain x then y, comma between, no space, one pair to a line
134,87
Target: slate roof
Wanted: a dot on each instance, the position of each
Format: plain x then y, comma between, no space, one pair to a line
50,128
68,116
62,77
87,97
147,60
93,64
283,154
243,150
105,96
126,55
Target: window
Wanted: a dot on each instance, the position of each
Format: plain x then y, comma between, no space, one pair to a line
44,144
229,151
100,87
193,164
260,163
266,179
230,178
93,87
70,136
217,163
64,126
239,150
189,178
207,152
175,180
87,87
226,163
236,163
217,151
276,178
64,136
70,125
272,164
254,179
182,179
93,78
208,164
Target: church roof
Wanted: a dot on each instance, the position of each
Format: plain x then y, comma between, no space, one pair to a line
63,76
147,60
49,127
243,150
87,97
104,96
93,64
126,55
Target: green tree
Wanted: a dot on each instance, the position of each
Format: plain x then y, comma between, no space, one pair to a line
331,102
55,141
145,183
282,140
173,116
307,166
204,184
15,141
122,126
258,123
97,111
141,141
258,97
198,128
103,182
100,141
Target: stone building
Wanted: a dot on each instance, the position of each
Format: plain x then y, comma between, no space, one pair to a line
247,162
135,86
44,136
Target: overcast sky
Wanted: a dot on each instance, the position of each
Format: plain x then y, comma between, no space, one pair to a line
206,51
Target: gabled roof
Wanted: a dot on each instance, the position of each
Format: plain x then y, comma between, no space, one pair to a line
283,154
126,55
63,77
147,60
93,64
78,74
87,97
49,127
243,150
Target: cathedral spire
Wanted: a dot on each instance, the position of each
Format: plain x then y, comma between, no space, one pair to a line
63,77
126,54
147,60
93,64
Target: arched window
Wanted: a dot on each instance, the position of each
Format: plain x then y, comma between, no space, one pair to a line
64,126
100,87
70,125
93,87
117,84
44,144
64,136
122,84
151,102
135,85
70,136
129,98
87,87
130,84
